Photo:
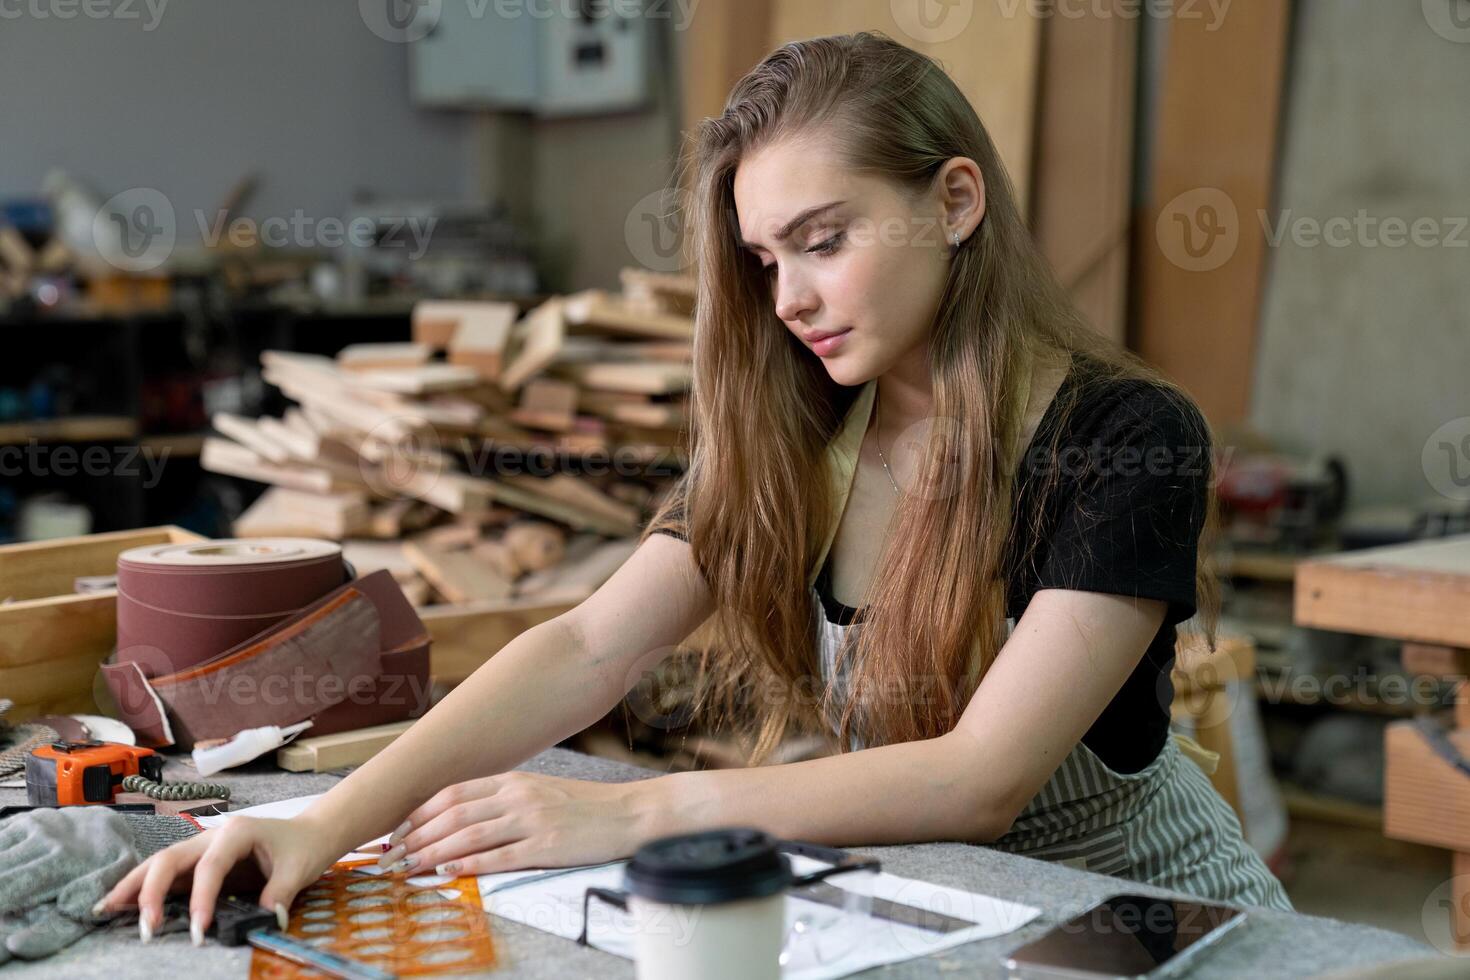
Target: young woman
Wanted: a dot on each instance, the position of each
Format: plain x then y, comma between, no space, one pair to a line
893,407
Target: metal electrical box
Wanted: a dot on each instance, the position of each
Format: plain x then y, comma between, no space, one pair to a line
547,57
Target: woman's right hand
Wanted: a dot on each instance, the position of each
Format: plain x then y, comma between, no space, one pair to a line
287,855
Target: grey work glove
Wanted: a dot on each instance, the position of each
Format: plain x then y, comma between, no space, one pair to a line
55,864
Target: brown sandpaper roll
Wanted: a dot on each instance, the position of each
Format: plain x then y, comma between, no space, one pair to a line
178,605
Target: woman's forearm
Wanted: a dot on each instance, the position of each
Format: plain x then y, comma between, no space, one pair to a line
536,691
900,793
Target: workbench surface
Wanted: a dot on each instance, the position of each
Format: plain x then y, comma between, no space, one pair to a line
1272,944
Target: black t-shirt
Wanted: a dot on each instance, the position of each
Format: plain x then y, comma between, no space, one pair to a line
1122,516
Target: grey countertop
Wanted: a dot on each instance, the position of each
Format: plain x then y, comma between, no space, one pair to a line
1272,944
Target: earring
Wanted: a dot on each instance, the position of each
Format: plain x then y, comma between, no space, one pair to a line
955,248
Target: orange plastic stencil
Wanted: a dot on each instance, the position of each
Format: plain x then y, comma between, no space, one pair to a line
407,929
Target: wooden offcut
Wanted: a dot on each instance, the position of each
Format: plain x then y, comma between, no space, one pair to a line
481,339
456,574
322,753
540,337
1418,592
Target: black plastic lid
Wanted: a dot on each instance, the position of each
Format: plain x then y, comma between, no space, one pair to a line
709,867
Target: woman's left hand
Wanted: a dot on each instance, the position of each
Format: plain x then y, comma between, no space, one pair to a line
517,820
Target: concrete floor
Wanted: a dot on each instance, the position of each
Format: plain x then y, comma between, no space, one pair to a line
1358,875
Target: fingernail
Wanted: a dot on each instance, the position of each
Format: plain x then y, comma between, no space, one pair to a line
407,864
400,833
387,860
196,931
282,919
145,931
447,868
99,909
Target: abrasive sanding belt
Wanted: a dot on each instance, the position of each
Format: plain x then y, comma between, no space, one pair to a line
218,636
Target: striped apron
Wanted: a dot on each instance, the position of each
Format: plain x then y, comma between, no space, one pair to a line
1164,825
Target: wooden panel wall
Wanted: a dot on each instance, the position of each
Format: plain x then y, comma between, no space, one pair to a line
1200,251
1084,161
992,57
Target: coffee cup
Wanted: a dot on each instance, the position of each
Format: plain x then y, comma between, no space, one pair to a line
713,904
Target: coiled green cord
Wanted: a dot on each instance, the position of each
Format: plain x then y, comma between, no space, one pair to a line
175,791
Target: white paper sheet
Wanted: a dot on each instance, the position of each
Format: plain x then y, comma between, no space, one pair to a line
285,810
833,943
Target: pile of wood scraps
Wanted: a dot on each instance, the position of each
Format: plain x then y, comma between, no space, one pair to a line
487,456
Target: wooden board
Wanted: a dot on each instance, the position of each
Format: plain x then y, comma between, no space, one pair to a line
1425,799
325,752
595,308
1418,592
991,50
724,42
481,339
1214,164
1084,160
456,574
655,378
540,337
368,357
51,640
232,459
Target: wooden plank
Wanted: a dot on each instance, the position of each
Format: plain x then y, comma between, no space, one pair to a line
426,379
481,339
643,379
1084,160
1201,257
75,428
572,501
1436,660
456,574
232,459
1425,798
604,311
52,640
1418,592
540,338
39,569
369,357
285,513
324,752
547,404
465,636
252,437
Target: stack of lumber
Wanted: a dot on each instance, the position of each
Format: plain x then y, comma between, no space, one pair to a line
492,454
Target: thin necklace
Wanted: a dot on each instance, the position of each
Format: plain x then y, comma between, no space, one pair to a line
878,443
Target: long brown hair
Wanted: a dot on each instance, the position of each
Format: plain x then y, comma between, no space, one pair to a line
756,504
